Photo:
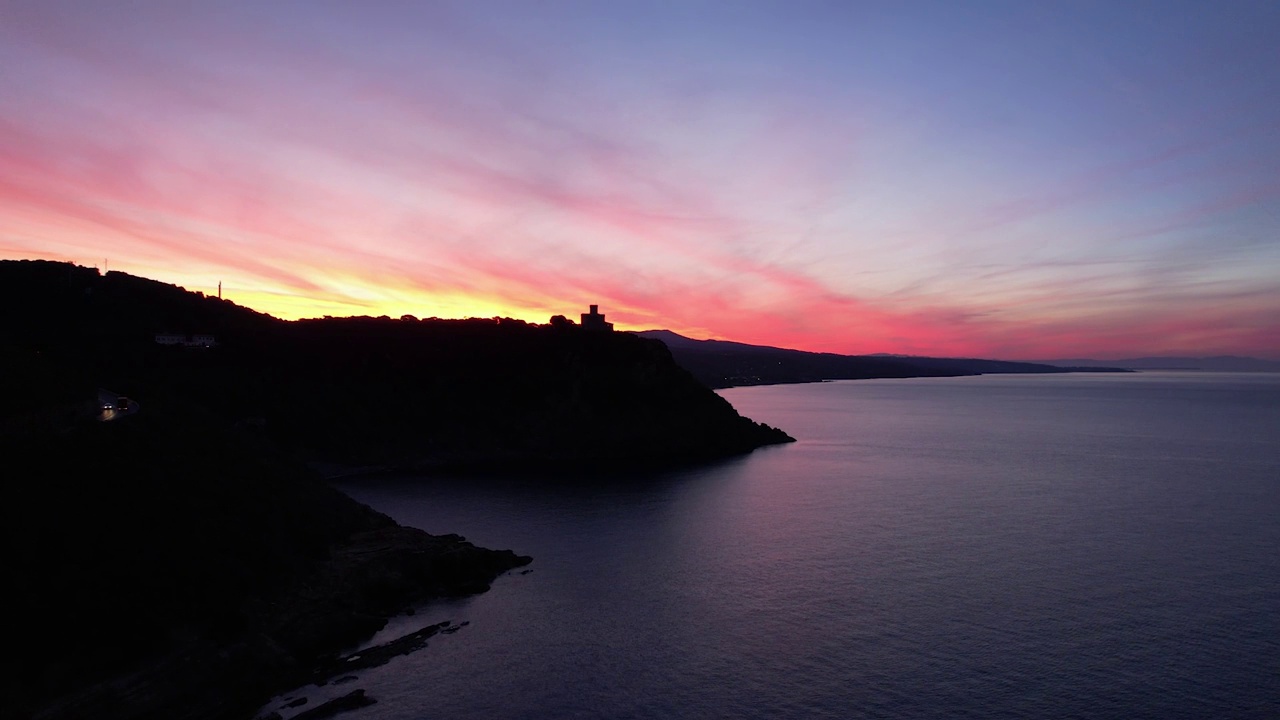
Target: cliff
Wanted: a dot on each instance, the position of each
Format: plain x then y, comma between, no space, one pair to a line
462,394
165,566
179,561
481,394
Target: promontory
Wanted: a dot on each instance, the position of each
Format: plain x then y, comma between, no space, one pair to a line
173,553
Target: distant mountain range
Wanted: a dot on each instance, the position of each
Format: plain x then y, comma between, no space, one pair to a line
1217,363
721,364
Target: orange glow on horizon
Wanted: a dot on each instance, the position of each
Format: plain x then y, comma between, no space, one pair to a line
700,314
773,190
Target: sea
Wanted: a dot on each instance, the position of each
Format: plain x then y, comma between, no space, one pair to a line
1001,546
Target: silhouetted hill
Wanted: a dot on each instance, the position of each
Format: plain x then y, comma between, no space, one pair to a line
180,562
56,305
63,320
719,363
430,393
1217,363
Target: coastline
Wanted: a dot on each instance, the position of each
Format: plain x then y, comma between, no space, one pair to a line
186,554
177,568
303,635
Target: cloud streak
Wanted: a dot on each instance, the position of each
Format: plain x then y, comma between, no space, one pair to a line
445,162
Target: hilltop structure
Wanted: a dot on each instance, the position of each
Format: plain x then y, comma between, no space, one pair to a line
594,320
199,340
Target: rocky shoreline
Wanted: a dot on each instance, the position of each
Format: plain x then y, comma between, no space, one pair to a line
177,569
183,563
302,632
338,671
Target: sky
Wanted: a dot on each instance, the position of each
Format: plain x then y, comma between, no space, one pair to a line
1018,180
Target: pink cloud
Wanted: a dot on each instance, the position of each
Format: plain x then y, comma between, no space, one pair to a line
313,169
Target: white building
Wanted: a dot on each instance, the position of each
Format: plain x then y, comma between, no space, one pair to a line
200,340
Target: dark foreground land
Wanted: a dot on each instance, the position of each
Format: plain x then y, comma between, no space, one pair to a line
162,566
181,561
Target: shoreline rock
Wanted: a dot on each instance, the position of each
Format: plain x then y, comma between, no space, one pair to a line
353,700
177,571
305,634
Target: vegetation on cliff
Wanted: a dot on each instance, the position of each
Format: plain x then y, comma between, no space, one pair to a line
472,393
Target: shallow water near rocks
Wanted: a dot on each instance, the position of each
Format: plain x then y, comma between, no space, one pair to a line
1100,546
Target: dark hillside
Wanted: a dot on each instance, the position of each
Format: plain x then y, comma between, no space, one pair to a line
63,321
163,566
431,393
177,561
484,393
57,305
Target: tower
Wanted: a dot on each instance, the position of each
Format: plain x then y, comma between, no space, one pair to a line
595,321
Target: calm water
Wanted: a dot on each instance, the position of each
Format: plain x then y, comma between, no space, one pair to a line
1092,546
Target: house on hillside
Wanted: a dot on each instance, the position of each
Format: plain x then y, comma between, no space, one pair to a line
168,338
199,340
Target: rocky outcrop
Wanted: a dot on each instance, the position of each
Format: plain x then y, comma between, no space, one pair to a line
180,563
297,634
463,394
587,400
175,569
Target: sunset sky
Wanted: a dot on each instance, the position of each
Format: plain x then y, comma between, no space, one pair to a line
1021,180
